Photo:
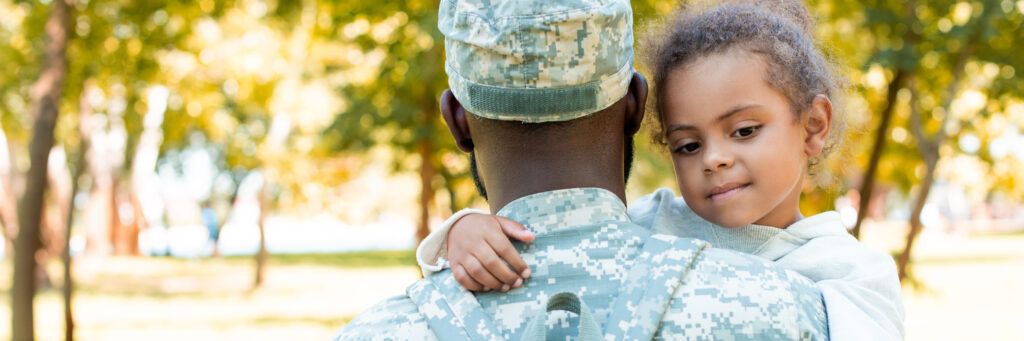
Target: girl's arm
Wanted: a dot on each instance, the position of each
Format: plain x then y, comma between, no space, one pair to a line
479,251
432,254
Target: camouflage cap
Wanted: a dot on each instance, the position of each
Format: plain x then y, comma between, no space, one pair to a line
537,60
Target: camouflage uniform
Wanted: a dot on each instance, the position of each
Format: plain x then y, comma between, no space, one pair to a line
557,60
585,245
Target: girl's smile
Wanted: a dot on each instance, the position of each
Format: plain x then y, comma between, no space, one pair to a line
726,191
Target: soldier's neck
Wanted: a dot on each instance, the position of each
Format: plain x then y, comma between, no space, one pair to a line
509,181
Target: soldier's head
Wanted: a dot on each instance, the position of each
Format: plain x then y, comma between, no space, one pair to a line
542,87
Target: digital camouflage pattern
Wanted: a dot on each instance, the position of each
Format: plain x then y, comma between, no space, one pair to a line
638,286
537,60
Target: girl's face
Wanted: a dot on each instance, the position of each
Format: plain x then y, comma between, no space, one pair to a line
740,153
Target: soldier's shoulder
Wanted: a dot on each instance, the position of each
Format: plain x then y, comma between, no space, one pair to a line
741,268
396,318
730,294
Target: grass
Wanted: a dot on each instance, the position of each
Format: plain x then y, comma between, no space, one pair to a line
366,259
305,297
968,288
962,286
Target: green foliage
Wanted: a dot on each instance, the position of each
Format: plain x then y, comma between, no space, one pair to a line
380,66
22,47
399,43
926,38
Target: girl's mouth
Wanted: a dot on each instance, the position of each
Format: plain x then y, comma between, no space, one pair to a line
726,191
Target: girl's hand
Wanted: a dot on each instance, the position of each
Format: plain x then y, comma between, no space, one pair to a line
482,257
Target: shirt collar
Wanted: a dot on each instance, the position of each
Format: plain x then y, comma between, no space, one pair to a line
550,211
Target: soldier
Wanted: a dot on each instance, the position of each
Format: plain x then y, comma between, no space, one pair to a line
544,97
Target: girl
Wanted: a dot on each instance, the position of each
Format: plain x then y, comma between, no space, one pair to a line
745,106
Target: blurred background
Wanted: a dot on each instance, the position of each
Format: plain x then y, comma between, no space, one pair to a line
261,169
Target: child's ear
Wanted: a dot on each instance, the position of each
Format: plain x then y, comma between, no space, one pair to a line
817,123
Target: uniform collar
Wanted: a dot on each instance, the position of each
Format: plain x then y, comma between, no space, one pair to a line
550,211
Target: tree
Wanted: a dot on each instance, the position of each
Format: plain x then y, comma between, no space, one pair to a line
895,42
913,56
975,29
67,290
46,99
256,83
98,54
117,63
902,66
392,99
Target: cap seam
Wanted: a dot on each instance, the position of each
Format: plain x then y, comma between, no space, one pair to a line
603,5
599,80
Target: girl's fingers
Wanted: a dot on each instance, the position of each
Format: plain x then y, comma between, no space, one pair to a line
514,229
481,275
510,257
497,267
465,280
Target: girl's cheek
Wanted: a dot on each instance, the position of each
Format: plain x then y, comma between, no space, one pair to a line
683,170
688,176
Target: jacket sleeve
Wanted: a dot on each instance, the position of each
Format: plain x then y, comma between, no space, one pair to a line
860,286
857,313
431,253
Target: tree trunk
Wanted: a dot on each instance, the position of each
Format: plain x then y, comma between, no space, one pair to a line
46,95
868,181
126,238
449,186
118,233
261,255
427,172
429,112
143,166
67,288
98,212
101,215
136,226
903,261
84,129
54,214
902,73
8,200
8,214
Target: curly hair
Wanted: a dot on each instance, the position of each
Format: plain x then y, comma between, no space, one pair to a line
778,30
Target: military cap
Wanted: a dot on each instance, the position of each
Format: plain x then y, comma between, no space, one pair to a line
537,61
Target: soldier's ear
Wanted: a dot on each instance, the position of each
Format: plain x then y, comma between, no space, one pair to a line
455,116
636,103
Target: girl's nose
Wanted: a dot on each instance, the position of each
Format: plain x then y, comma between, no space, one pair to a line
716,159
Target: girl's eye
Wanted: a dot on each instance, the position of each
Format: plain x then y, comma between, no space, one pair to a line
688,148
746,131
